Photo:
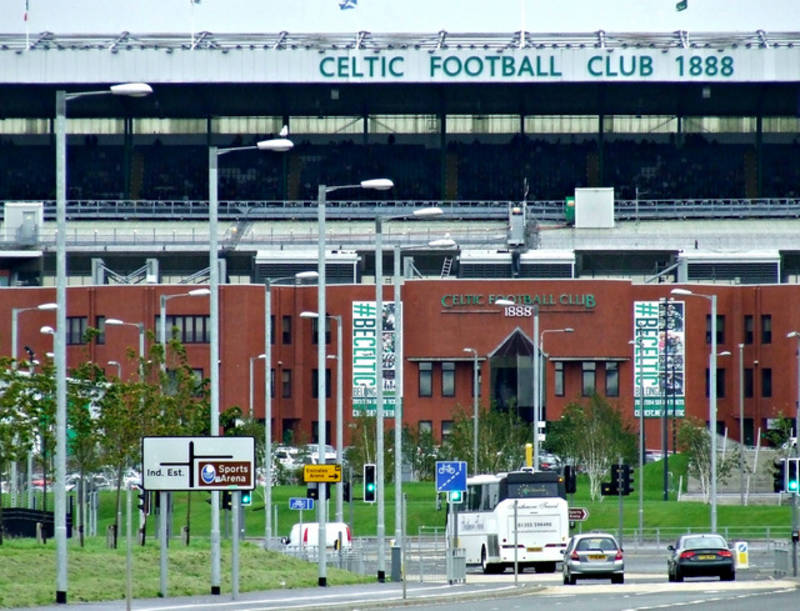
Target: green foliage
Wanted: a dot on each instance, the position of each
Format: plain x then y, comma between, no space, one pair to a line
593,435
781,433
694,440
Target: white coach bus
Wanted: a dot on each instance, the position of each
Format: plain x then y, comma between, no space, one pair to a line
486,520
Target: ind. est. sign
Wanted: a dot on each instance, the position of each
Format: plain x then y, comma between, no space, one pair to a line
198,463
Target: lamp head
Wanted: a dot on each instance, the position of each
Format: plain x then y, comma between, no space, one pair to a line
47,306
307,275
427,212
504,302
568,330
277,145
198,293
308,314
793,334
114,322
678,291
47,330
377,184
131,90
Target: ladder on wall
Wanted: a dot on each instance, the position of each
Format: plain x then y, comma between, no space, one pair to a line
447,265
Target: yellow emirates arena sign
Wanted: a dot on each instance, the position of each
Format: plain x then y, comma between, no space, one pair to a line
322,473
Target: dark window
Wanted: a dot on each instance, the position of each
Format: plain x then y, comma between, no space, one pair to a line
272,329
720,329
100,325
425,426
588,384
558,382
425,379
448,379
472,380
720,383
766,382
194,329
748,329
315,382
447,429
315,330
272,382
766,329
286,383
612,379
286,330
76,329
748,383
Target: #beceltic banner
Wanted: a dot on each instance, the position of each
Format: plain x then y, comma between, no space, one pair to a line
366,361
659,358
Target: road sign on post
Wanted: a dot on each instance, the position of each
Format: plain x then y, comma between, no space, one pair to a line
578,514
299,503
322,473
198,463
451,475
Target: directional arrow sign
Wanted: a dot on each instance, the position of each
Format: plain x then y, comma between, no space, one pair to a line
578,514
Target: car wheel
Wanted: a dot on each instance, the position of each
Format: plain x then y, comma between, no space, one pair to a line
566,580
678,576
571,579
730,576
618,579
484,565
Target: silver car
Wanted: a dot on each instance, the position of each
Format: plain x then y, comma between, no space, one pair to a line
593,556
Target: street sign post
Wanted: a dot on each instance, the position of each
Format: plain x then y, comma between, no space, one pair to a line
198,463
301,503
578,514
322,473
451,475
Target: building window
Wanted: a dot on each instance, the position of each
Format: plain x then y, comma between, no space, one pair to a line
76,330
448,379
193,329
447,429
100,325
748,329
612,379
286,330
315,330
588,371
425,427
766,382
426,379
766,329
558,382
720,383
720,328
748,383
272,382
472,380
315,383
286,383
272,329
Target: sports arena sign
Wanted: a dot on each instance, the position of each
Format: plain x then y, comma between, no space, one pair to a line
552,63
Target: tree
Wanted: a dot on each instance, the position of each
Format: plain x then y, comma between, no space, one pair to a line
694,440
592,435
502,436
420,452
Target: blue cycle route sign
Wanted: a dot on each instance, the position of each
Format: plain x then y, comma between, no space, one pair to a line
301,503
451,475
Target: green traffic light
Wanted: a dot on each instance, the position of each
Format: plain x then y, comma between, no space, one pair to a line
370,487
793,485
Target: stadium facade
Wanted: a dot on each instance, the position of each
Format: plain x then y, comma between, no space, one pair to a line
696,135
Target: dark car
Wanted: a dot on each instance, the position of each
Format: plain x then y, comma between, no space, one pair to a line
700,555
593,556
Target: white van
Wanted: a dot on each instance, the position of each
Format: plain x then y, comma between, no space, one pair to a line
309,536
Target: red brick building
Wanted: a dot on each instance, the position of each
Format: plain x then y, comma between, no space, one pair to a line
441,319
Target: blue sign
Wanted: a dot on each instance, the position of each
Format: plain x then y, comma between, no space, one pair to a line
301,503
451,475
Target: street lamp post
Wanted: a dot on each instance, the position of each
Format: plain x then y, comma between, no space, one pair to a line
380,184
795,526
162,321
543,363
268,282
116,322
712,397
474,409
741,423
15,312
379,411
638,354
214,153
253,358
118,365
60,347
339,404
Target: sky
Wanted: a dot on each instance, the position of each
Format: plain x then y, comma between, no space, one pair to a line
382,16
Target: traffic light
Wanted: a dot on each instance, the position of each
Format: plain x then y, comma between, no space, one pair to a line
627,480
226,500
570,482
792,474
312,491
455,497
143,501
369,483
779,475
682,5
247,497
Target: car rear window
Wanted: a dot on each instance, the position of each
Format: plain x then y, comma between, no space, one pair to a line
601,543
711,541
